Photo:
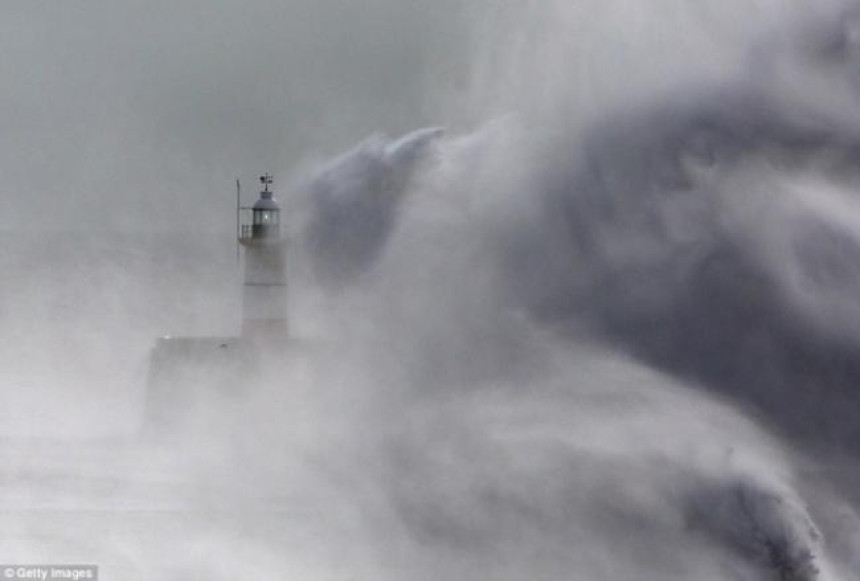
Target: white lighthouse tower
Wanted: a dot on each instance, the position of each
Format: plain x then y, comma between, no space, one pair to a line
264,298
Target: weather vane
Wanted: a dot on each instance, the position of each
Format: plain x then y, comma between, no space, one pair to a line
266,180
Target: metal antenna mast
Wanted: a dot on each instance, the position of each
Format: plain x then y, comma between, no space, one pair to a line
238,222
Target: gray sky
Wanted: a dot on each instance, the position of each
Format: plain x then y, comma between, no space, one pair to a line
137,115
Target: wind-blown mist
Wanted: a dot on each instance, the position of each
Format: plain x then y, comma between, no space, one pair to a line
609,334
356,200
709,232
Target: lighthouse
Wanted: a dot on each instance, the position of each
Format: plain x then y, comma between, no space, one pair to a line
187,372
264,295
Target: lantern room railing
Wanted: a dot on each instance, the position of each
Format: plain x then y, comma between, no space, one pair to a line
255,224
246,223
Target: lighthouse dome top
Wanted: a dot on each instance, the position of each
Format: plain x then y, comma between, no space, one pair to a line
266,203
267,200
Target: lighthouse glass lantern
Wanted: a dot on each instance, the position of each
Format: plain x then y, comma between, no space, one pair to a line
266,213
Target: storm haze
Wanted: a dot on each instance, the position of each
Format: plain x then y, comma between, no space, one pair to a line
596,321
131,116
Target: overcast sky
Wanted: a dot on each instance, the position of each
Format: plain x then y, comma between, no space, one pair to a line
139,115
